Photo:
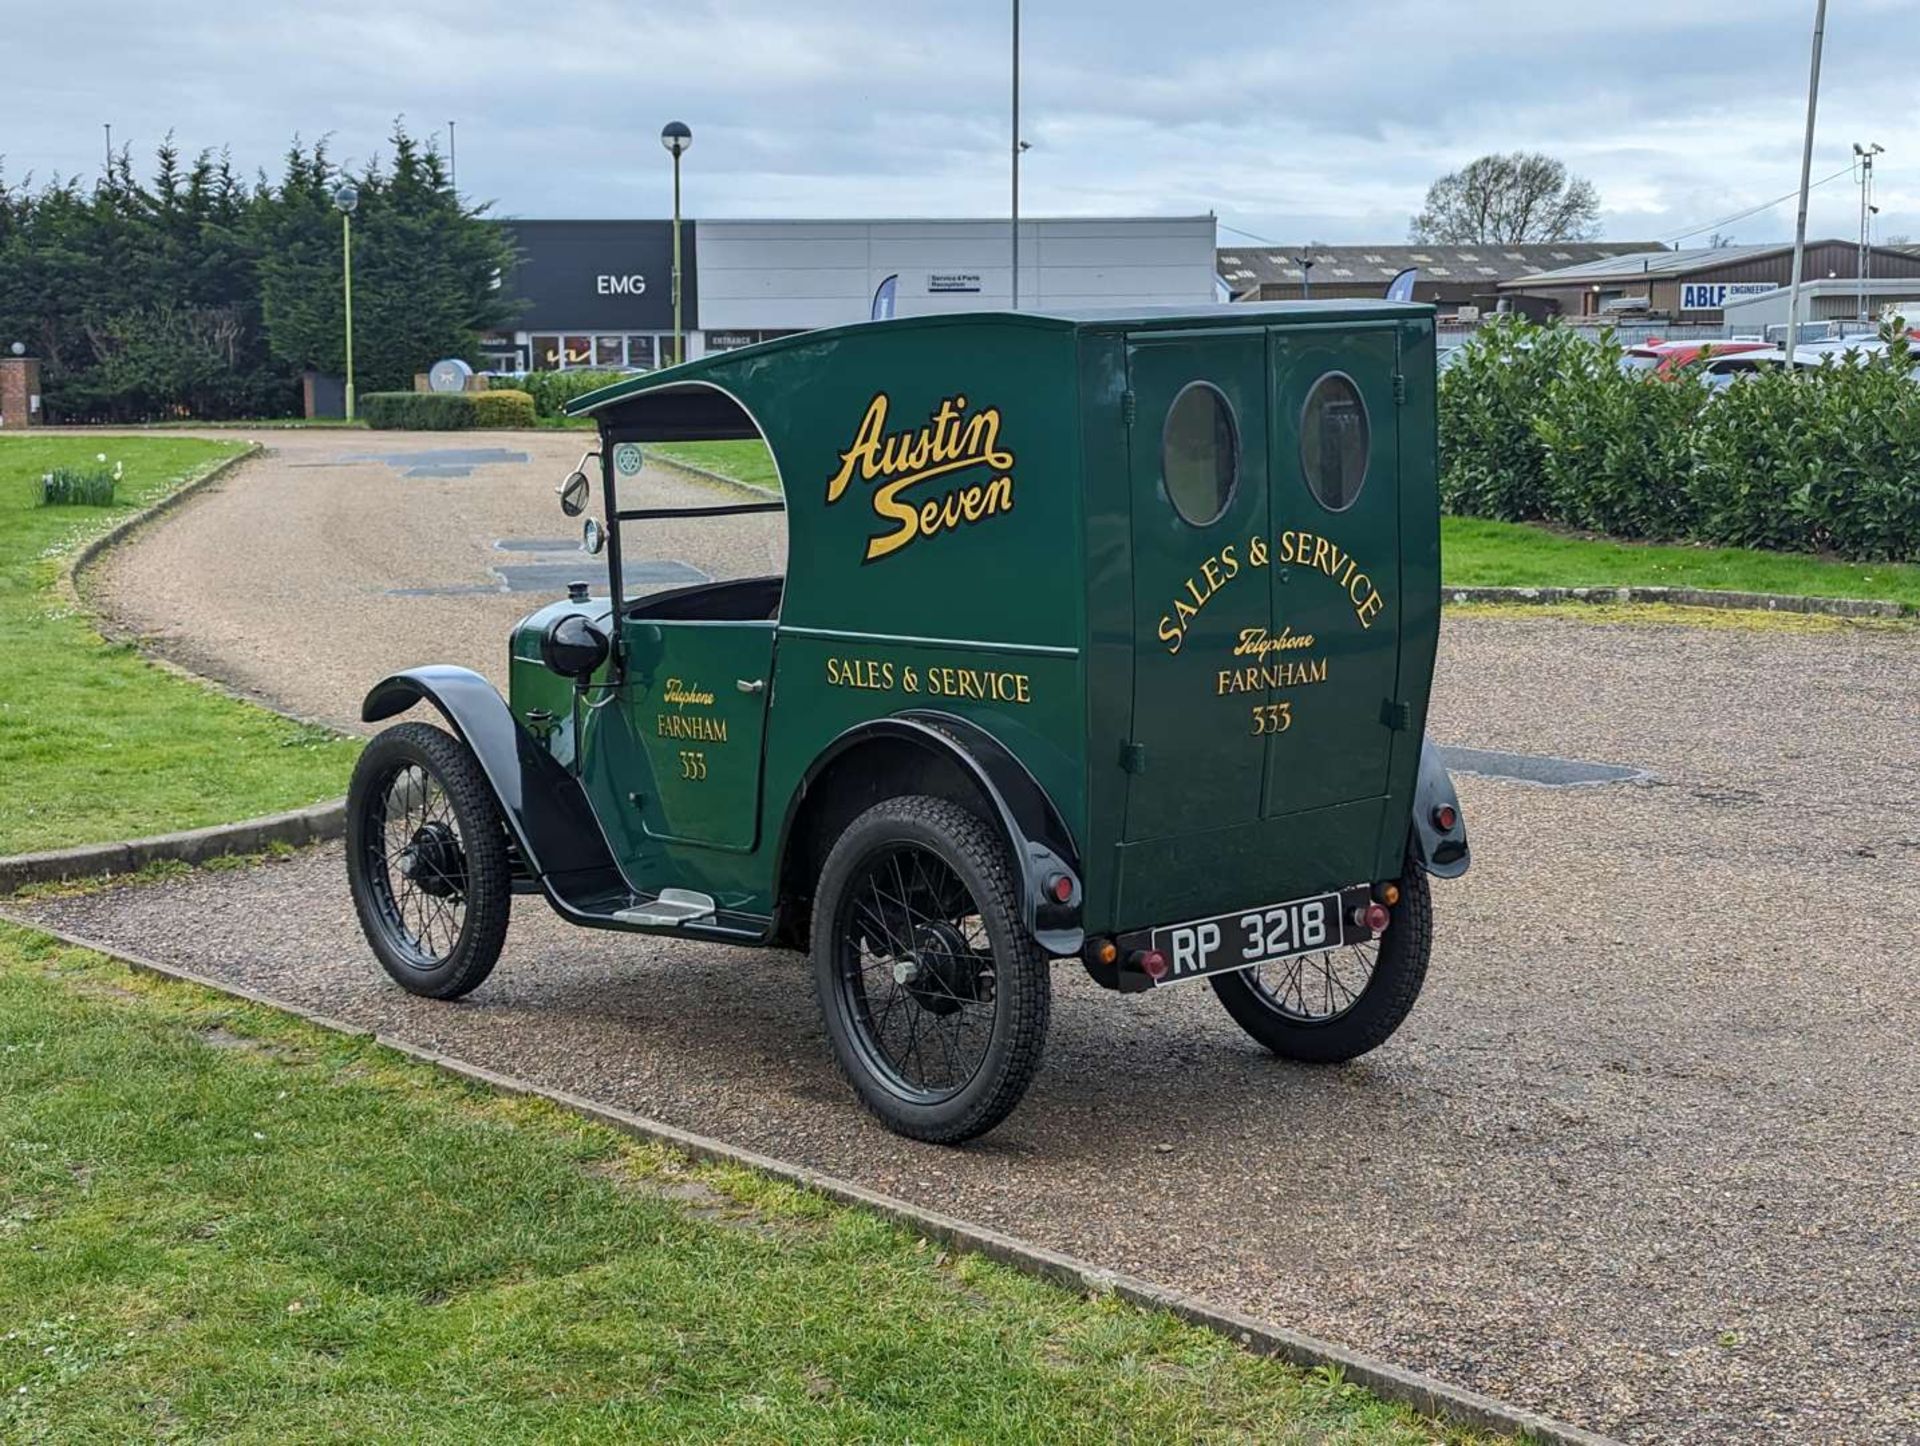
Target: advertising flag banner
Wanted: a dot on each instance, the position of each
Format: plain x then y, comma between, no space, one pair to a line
1401,287
883,299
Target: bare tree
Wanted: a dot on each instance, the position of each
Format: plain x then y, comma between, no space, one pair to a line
1524,196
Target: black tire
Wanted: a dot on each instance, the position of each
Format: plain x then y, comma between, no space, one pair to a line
953,958
427,861
1289,1019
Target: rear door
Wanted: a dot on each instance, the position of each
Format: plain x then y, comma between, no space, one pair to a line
1330,658
1198,459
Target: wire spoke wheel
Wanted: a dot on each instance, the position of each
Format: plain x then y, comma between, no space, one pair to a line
1317,988
1339,1003
427,860
935,995
918,972
418,865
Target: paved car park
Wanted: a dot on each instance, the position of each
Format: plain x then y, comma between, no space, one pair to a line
1643,1157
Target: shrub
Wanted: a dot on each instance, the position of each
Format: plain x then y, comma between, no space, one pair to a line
1492,461
1616,447
551,391
90,486
417,411
502,408
446,411
1539,423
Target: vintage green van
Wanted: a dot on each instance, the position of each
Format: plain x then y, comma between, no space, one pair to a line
1102,636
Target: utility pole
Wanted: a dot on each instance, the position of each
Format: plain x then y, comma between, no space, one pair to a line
1016,155
1806,179
453,162
109,129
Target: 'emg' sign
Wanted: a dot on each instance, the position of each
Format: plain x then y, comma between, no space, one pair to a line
1712,295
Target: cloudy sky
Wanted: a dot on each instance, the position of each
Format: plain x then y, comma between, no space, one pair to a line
1289,120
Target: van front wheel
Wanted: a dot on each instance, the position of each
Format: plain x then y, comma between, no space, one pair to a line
935,996
1322,1008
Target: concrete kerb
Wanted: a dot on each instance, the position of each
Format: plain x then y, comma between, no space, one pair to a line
317,824
1426,1394
1686,597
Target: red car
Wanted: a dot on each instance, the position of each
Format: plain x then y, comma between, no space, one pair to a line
1664,358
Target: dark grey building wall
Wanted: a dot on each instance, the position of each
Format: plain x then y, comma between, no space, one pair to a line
599,275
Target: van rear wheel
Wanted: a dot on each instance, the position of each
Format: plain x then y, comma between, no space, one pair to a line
1337,1005
935,996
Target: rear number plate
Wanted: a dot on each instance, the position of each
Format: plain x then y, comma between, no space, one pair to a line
1251,936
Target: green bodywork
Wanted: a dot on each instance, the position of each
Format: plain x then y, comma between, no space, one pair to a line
978,527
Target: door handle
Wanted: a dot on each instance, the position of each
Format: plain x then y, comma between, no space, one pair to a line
751,685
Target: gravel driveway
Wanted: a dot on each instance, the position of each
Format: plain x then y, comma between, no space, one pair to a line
1644,1157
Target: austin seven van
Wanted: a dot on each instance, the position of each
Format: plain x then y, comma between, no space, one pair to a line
1102,637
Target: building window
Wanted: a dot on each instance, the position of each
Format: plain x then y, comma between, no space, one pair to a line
608,351
640,352
578,353
546,354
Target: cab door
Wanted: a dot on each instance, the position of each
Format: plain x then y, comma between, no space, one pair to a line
1198,459
1332,651
696,696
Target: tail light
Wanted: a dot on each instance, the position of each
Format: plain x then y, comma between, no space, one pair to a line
1445,816
1152,963
1059,888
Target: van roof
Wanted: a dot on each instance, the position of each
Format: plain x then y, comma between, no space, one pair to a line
1139,318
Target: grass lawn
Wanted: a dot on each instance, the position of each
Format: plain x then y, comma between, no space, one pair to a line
219,1222
748,462
95,743
1478,553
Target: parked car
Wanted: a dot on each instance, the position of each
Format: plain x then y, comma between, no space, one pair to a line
1666,358
1102,637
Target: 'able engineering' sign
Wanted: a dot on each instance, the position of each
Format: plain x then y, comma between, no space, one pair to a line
1712,295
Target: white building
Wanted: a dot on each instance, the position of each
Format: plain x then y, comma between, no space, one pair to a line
774,276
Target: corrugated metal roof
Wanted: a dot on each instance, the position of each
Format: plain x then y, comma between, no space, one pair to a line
1245,268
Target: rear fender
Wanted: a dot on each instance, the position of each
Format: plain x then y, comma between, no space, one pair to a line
1037,837
545,808
1443,854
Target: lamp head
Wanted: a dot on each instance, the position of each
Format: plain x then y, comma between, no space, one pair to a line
346,196
675,136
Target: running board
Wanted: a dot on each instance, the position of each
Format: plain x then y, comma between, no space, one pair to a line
673,906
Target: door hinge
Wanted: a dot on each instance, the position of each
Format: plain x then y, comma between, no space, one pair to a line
1129,407
1133,757
1399,389
1397,716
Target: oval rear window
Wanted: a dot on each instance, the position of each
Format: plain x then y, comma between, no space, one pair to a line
1200,453
1334,442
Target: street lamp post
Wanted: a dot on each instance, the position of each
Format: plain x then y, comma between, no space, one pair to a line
345,198
676,138
1305,263
1865,154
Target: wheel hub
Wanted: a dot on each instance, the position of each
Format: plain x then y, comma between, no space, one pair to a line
433,862
942,971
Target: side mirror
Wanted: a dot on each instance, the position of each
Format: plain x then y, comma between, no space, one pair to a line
593,537
574,493
573,647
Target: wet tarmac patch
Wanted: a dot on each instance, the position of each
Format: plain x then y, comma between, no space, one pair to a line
1538,768
552,577
435,462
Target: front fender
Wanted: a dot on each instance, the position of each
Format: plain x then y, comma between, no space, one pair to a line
1444,854
545,808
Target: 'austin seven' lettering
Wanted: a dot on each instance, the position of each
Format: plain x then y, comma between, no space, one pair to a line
950,442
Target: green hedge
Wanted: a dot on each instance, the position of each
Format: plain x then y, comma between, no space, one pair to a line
551,391
446,411
1540,424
